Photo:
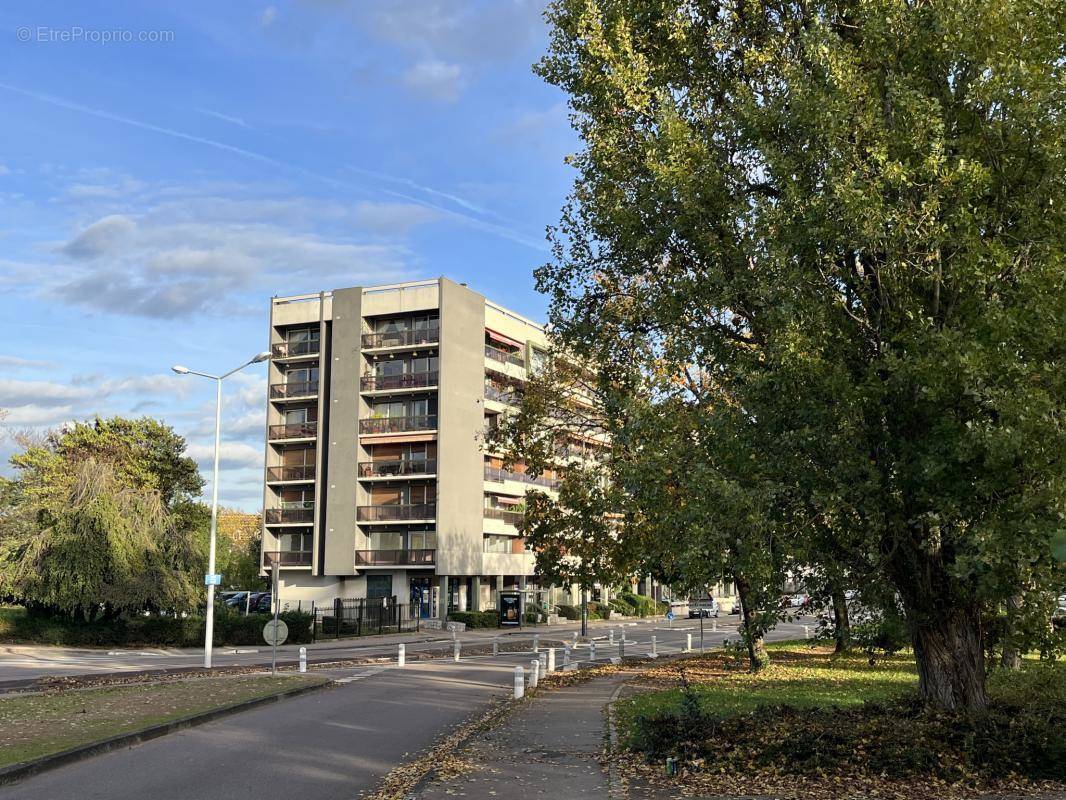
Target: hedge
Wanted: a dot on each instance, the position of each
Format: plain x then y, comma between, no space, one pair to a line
158,631
476,619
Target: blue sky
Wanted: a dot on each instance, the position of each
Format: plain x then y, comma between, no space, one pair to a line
156,192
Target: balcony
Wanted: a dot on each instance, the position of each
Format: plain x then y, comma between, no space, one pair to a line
287,558
508,397
410,380
293,430
503,356
401,338
292,349
303,512
397,468
390,558
396,512
287,391
398,424
301,472
500,475
510,517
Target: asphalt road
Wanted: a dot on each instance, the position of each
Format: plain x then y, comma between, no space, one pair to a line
331,744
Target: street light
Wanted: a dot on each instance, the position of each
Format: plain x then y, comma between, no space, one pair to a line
210,620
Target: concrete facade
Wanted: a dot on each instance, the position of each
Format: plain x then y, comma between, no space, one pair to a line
377,480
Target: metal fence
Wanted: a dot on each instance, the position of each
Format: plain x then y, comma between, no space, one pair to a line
364,617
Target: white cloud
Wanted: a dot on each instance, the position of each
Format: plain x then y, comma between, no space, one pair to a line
15,362
398,218
266,19
101,238
437,80
232,455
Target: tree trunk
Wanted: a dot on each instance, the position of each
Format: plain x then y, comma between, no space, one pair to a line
841,621
752,633
949,652
1012,656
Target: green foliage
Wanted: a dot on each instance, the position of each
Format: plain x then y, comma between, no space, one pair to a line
99,521
19,626
568,612
476,619
835,266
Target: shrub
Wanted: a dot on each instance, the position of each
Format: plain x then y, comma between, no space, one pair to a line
476,619
569,612
882,632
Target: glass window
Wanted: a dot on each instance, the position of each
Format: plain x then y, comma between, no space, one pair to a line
378,586
386,540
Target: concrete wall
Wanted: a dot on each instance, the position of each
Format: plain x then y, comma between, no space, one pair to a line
460,498
339,488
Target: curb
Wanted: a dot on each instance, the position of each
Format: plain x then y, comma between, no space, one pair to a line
17,772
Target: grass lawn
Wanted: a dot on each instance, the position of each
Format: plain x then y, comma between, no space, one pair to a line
812,723
798,676
36,725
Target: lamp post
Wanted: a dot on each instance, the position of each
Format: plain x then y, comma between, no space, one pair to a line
209,627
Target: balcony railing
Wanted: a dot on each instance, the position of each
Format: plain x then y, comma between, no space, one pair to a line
409,380
401,338
421,422
405,466
501,475
510,517
290,349
504,357
279,516
284,391
508,396
287,558
397,512
298,472
294,430
375,558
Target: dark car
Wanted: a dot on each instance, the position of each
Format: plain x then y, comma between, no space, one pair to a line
235,600
261,603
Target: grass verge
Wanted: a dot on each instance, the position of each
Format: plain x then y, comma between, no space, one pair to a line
36,725
840,721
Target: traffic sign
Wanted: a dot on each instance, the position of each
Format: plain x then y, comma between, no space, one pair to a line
276,632
212,580
670,615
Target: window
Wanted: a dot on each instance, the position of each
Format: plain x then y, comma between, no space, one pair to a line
378,586
302,375
298,416
295,542
301,335
497,544
298,456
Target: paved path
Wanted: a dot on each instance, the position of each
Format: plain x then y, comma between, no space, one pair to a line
551,747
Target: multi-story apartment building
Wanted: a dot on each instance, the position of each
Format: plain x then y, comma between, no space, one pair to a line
377,479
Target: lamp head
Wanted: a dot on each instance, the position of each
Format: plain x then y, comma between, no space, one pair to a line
261,357
178,368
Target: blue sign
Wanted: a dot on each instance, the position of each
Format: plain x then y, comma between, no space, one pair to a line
670,615
212,580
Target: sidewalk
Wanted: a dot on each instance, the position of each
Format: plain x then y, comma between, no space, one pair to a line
554,741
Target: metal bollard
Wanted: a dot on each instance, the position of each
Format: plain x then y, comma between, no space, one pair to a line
303,659
622,649
534,673
536,643
519,682
496,646
455,649
592,651
688,642
401,656
551,659
610,635
566,656
654,652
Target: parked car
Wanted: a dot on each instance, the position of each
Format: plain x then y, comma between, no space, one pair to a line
736,607
702,608
261,603
799,600
235,600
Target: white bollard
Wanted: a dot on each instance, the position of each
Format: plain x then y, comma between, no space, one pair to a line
534,672
806,631
592,651
688,642
551,659
714,626
496,646
303,659
536,643
401,656
654,652
575,639
519,682
543,659
610,635
455,649
566,656
622,648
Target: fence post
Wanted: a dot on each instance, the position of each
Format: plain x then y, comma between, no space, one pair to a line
519,682
338,609
303,659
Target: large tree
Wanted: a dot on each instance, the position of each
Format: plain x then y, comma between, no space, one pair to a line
100,520
846,220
